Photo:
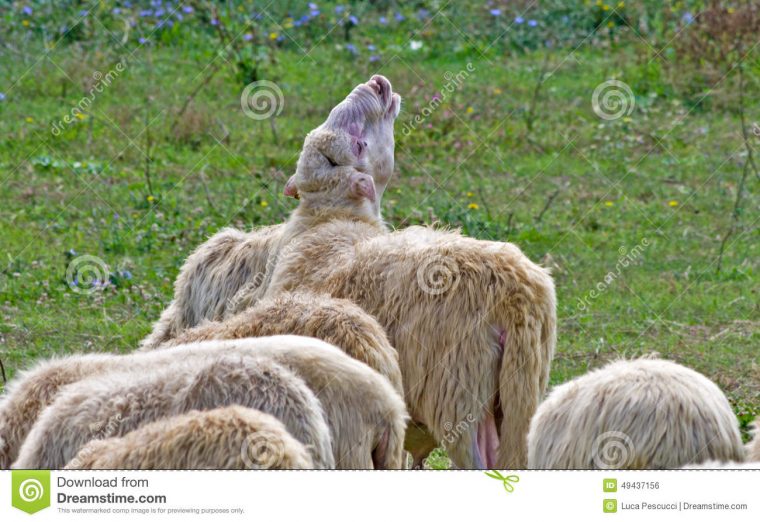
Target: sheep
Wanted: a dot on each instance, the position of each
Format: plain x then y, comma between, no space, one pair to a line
639,414
232,437
365,415
474,323
336,321
119,401
232,260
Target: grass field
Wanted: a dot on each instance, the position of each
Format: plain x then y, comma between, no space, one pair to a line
501,140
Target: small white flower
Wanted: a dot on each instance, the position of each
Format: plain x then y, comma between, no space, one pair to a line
415,45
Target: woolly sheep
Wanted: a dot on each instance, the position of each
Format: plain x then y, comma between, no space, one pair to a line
365,415
474,323
639,414
336,321
232,437
154,388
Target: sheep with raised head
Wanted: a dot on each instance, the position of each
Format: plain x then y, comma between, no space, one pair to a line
232,437
232,260
640,414
365,415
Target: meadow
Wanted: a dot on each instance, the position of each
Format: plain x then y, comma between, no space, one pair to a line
616,144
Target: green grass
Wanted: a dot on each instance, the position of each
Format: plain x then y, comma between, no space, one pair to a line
666,174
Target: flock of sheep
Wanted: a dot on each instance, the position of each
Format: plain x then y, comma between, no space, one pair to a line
331,342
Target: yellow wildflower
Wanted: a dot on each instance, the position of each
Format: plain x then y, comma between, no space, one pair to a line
608,203
25,23
273,36
621,5
470,194
80,116
627,119
731,10
605,7
264,204
150,199
673,203
610,25
29,119
473,206
470,110
497,91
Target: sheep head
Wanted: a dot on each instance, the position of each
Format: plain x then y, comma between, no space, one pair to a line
358,134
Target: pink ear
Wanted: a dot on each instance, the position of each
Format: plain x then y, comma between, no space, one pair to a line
291,190
364,186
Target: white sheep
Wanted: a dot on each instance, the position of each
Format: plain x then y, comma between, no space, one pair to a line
154,388
640,414
365,415
231,437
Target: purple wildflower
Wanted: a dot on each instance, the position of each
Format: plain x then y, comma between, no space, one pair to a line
495,12
519,20
532,23
374,58
187,9
399,17
353,20
383,20
27,10
247,37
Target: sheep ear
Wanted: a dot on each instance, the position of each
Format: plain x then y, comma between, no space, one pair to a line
363,186
291,190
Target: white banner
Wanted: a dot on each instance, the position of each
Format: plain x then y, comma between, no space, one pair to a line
378,495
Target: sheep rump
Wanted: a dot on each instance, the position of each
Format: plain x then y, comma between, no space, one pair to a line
640,414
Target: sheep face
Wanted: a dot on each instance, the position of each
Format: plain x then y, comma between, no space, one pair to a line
358,134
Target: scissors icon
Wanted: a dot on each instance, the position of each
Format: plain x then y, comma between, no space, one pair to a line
505,480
